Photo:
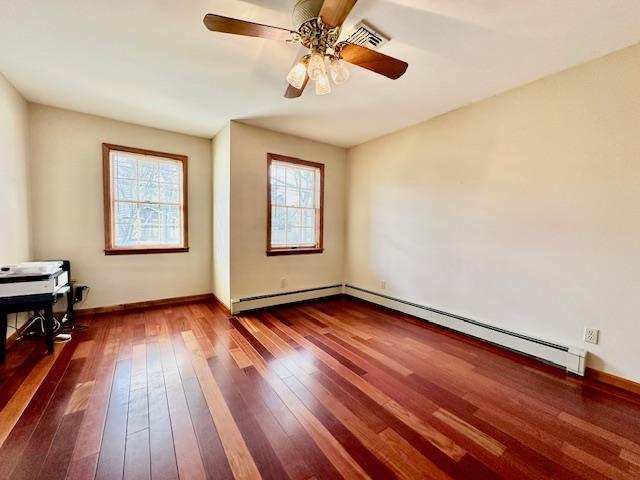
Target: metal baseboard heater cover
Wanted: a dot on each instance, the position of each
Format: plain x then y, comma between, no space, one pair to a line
573,359
271,299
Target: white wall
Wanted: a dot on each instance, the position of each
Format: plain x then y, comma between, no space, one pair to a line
67,201
221,158
15,239
522,211
252,272
15,231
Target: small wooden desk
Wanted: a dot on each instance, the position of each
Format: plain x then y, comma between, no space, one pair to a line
29,303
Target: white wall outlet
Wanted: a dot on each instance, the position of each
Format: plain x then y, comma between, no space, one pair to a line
283,282
591,335
383,284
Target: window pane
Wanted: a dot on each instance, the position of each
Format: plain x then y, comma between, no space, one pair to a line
294,235
147,171
126,189
171,234
309,218
306,198
169,172
293,198
294,217
278,196
306,178
126,212
296,188
150,234
149,214
148,192
170,214
309,236
278,217
293,177
125,167
125,234
142,186
169,193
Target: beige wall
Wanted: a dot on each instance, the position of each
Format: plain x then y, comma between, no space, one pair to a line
522,211
15,239
15,232
221,158
66,186
252,272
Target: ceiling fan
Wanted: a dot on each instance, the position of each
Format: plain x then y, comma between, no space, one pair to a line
318,26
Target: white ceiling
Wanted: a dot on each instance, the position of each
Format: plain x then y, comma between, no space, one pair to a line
152,62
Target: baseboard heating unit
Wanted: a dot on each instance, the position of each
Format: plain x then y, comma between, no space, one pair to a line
271,299
571,358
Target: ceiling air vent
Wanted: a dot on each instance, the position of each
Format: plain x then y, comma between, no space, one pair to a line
367,36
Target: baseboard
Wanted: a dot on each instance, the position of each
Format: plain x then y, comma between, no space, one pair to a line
571,358
280,298
147,304
220,304
613,380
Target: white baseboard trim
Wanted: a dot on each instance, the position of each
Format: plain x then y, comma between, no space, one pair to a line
271,299
573,359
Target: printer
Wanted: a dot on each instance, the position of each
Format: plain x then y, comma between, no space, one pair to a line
33,278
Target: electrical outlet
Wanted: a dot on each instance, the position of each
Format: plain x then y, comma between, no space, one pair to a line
383,284
591,335
283,282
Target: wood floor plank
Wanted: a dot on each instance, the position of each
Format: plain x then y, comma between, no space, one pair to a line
596,464
137,462
111,459
289,424
162,455
481,438
340,459
89,436
188,457
423,428
21,397
328,389
240,460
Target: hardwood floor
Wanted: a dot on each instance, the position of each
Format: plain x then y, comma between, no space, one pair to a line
327,389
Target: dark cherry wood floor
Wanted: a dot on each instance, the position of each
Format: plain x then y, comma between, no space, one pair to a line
329,389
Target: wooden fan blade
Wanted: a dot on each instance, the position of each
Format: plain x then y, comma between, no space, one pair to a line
218,23
293,92
334,12
371,60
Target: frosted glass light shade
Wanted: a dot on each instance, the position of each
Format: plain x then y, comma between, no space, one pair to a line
316,66
339,71
297,74
322,84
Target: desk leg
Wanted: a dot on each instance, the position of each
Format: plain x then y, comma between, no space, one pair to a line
3,332
70,314
48,326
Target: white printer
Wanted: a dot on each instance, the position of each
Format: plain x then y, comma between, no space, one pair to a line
33,278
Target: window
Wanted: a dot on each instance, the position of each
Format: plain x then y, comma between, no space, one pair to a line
295,199
145,201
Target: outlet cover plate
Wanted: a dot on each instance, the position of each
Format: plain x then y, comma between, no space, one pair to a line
591,335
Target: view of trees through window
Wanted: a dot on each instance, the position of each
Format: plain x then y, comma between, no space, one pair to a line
295,205
147,200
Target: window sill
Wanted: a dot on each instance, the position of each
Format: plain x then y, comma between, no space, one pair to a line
140,251
293,251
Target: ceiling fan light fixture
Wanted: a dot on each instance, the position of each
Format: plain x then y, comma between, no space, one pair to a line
323,86
339,71
298,73
316,65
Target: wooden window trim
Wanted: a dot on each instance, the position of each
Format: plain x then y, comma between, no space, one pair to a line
271,251
109,248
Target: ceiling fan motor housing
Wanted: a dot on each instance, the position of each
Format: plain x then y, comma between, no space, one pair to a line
305,10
